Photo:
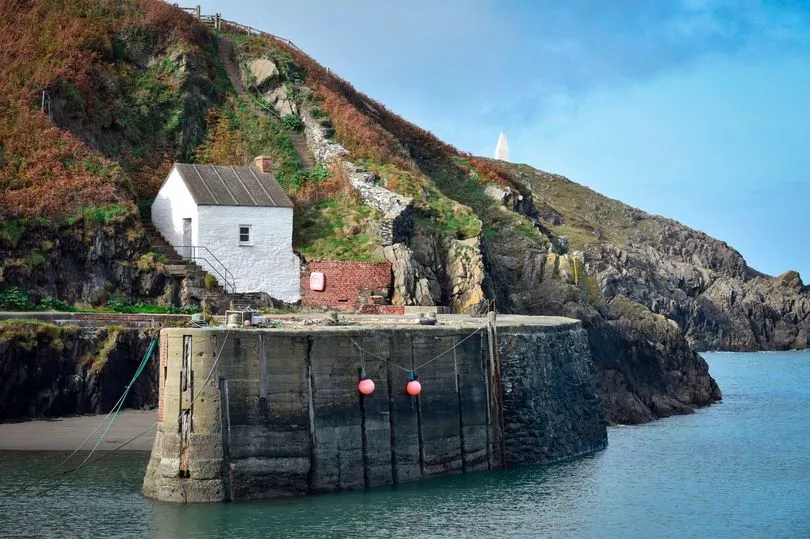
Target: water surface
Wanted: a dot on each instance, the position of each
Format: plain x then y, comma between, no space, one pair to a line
740,468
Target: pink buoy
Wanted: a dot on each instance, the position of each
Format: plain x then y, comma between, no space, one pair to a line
366,386
413,388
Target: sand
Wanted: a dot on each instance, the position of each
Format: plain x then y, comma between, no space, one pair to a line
66,434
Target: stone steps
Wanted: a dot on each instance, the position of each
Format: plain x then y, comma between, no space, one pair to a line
304,157
160,245
226,56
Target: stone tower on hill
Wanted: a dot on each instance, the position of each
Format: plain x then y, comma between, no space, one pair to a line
502,149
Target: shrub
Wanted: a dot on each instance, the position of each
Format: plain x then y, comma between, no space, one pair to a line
14,298
50,303
292,122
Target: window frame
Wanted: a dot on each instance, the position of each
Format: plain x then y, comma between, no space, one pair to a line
249,241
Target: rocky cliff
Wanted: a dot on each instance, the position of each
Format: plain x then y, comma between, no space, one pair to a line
147,86
701,283
55,371
90,261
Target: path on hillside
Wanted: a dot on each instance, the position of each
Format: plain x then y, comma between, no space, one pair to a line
226,56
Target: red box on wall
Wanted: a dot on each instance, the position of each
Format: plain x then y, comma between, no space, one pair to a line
317,281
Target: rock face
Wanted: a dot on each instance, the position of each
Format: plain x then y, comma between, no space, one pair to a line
706,287
644,366
87,264
50,371
432,269
263,76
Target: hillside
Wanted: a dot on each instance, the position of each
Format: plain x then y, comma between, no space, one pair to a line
132,87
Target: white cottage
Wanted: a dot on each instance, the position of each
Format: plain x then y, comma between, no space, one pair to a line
234,218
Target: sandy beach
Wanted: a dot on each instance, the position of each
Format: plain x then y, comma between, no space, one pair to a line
65,434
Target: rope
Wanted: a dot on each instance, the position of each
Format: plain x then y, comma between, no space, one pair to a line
114,411
121,403
422,365
105,455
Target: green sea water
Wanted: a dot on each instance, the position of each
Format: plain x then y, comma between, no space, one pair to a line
737,469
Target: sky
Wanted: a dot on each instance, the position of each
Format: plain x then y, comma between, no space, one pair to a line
698,110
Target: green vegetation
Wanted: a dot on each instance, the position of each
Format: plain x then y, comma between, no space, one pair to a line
102,355
50,303
26,334
292,122
12,230
434,209
14,298
237,133
333,230
210,281
151,261
317,174
105,215
117,305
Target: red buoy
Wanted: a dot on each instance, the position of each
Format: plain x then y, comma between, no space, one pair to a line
413,388
366,386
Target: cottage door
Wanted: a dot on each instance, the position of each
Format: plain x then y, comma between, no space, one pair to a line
186,238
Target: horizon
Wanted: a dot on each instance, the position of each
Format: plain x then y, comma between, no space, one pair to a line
650,94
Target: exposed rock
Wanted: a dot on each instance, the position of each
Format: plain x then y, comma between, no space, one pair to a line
87,264
263,72
48,371
263,76
414,284
644,365
719,304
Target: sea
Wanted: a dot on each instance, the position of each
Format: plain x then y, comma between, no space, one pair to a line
740,468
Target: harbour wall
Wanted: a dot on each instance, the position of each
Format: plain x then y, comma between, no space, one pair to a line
280,414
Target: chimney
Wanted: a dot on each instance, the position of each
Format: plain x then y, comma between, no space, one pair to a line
264,164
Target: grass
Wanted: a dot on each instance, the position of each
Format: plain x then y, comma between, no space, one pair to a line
237,134
26,334
335,230
434,209
102,355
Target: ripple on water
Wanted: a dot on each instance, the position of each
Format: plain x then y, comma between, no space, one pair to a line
740,468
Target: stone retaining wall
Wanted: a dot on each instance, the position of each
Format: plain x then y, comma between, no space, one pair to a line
281,414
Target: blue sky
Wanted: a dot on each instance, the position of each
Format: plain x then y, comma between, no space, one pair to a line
698,110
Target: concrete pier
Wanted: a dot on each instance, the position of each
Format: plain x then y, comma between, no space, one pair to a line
279,413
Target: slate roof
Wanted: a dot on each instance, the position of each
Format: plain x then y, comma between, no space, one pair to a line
215,185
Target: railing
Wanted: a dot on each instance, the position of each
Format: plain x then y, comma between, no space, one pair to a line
217,21
198,252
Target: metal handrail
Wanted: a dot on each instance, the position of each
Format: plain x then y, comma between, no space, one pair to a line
182,249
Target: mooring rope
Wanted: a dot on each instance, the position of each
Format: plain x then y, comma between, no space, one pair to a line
113,412
422,365
106,454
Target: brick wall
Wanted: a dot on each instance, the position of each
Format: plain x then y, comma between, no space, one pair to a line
347,284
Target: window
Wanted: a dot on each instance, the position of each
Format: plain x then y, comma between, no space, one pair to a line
245,234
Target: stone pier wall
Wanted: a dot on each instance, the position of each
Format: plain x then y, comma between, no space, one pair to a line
281,416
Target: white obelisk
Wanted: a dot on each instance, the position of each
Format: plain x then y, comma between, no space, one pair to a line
502,149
